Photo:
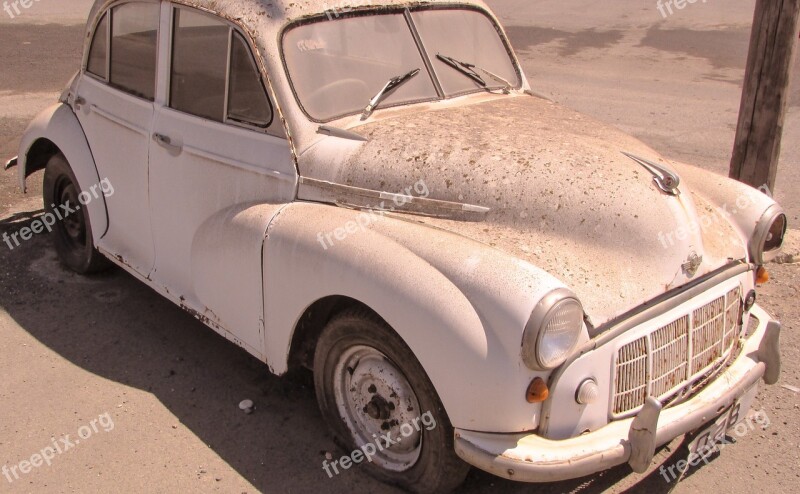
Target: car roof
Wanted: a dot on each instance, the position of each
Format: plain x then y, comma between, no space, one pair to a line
284,11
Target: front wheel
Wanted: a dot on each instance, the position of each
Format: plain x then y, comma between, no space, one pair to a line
381,406
73,231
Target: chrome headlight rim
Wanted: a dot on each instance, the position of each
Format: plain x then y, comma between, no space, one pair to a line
534,330
761,233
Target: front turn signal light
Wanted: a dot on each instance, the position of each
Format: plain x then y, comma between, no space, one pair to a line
762,275
537,391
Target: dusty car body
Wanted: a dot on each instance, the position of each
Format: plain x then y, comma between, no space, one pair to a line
473,223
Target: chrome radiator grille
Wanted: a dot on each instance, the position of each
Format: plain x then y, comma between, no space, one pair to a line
662,363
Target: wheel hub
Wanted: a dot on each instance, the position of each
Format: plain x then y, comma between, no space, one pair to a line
71,224
379,406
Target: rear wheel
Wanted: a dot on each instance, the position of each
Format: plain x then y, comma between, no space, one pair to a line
72,228
376,398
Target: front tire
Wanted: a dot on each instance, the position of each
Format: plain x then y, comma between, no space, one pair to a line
72,230
370,388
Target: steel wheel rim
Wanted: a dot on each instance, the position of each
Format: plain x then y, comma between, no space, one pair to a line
71,225
375,399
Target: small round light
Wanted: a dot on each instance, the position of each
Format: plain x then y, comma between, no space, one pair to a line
750,300
588,392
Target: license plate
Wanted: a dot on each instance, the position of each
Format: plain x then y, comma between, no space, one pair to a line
708,438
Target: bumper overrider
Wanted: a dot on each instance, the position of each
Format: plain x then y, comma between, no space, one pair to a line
529,457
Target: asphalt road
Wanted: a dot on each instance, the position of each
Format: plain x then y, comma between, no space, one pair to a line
163,390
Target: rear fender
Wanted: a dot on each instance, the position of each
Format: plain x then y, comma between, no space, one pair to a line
58,129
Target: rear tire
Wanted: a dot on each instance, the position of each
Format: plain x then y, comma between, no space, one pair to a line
369,384
72,230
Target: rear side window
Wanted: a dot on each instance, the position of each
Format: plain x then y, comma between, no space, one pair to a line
199,61
214,74
98,53
134,42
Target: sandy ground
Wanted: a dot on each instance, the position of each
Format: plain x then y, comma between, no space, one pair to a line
162,390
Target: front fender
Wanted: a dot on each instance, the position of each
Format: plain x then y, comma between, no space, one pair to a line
738,203
459,305
59,125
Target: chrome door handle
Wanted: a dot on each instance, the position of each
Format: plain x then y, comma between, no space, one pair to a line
165,141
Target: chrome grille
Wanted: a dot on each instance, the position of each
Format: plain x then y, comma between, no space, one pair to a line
662,363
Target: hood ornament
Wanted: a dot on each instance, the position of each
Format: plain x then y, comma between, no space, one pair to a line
666,179
692,264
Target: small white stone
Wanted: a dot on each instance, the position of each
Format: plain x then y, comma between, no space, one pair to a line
246,406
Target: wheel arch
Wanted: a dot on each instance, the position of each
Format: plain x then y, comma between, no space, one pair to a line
309,327
57,130
461,307
38,155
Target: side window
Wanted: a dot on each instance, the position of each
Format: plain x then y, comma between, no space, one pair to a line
247,101
199,65
213,73
98,52
134,42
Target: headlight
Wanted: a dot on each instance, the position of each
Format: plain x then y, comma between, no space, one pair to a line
768,236
552,331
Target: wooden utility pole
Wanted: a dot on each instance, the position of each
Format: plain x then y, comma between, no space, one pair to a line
766,83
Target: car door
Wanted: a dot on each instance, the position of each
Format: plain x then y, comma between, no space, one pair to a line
114,105
216,147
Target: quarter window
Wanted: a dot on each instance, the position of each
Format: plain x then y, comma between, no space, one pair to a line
213,72
134,42
247,101
98,53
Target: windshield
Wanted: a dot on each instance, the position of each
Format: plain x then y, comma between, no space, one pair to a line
338,65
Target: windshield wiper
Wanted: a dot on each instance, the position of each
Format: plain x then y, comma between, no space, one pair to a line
469,70
390,86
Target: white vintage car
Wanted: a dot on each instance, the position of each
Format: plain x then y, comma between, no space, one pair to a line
373,191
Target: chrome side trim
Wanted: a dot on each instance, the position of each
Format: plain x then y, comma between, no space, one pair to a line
120,121
216,158
358,198
332,131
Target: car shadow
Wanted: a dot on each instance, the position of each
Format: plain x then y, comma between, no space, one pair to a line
115,327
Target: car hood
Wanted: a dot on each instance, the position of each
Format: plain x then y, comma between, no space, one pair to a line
560,194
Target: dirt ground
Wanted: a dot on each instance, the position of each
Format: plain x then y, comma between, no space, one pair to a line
159,392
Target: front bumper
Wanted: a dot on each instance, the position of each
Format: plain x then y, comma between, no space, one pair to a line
531,458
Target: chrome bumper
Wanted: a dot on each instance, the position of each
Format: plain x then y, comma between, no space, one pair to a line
10,163
532,458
